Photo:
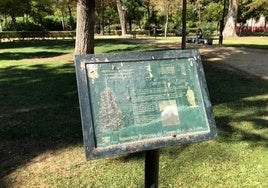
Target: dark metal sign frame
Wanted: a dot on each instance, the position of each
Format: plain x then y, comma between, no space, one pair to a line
158,65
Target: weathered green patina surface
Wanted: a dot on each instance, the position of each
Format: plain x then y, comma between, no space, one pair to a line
139,101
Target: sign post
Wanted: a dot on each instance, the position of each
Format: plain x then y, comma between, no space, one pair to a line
143,101
151,168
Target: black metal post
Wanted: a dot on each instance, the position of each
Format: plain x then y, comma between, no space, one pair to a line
151,168
183,39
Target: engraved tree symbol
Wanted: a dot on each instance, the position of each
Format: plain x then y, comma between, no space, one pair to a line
110,117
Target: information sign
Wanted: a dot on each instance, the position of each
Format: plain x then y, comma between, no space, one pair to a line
141,101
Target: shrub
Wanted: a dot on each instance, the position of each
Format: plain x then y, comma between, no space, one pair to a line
21,35
52,23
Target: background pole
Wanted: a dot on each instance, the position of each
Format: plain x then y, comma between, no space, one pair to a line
183,40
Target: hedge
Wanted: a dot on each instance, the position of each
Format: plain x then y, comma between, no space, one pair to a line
21,35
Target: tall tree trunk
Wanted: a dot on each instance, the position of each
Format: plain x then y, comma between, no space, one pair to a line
71,18
85,27
148,14
102,18
62,21
130,25
230,26
121,17
166,23
1,28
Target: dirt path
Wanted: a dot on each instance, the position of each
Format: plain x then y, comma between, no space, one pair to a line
249,61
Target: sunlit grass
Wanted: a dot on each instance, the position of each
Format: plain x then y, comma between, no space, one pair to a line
41,136
252,42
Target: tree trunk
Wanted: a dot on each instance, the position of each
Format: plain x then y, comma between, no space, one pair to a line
1,28
71,18
121,17
62,21
102,19
130,25
166,24
230,26
85,27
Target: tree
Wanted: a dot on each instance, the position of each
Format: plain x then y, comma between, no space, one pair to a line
212,12
230,26
260,5
252,9
149,12
105,14
70,4
99,11
14,8
1,29
40,9
63,8
167,7
121,13
134,11
60,11
84,43
111,16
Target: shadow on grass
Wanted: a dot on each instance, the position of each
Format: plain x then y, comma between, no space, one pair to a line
45,44
21,55
124,45
39,110
253,46
42,49
233,91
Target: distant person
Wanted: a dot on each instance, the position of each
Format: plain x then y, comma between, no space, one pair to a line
198,35
154,31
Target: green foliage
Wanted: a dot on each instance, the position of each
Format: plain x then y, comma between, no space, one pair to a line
40,9
52,23
209,29
212,12
14,8
22,35
249,9
141,14
22,24
134,11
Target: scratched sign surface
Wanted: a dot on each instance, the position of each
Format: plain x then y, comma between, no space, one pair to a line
139,101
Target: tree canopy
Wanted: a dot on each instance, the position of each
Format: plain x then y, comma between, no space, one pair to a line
125,15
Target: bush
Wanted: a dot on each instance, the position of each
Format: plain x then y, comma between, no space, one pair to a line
21,35
209,29
52,23
21,24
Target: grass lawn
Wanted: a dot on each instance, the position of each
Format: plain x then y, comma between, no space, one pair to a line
41,136
250,42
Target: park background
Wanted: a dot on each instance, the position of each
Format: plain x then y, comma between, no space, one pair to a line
40,129
134,17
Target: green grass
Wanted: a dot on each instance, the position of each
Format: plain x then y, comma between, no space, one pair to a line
41,137
249,42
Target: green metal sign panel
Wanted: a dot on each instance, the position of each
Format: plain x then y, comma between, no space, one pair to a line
140,101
